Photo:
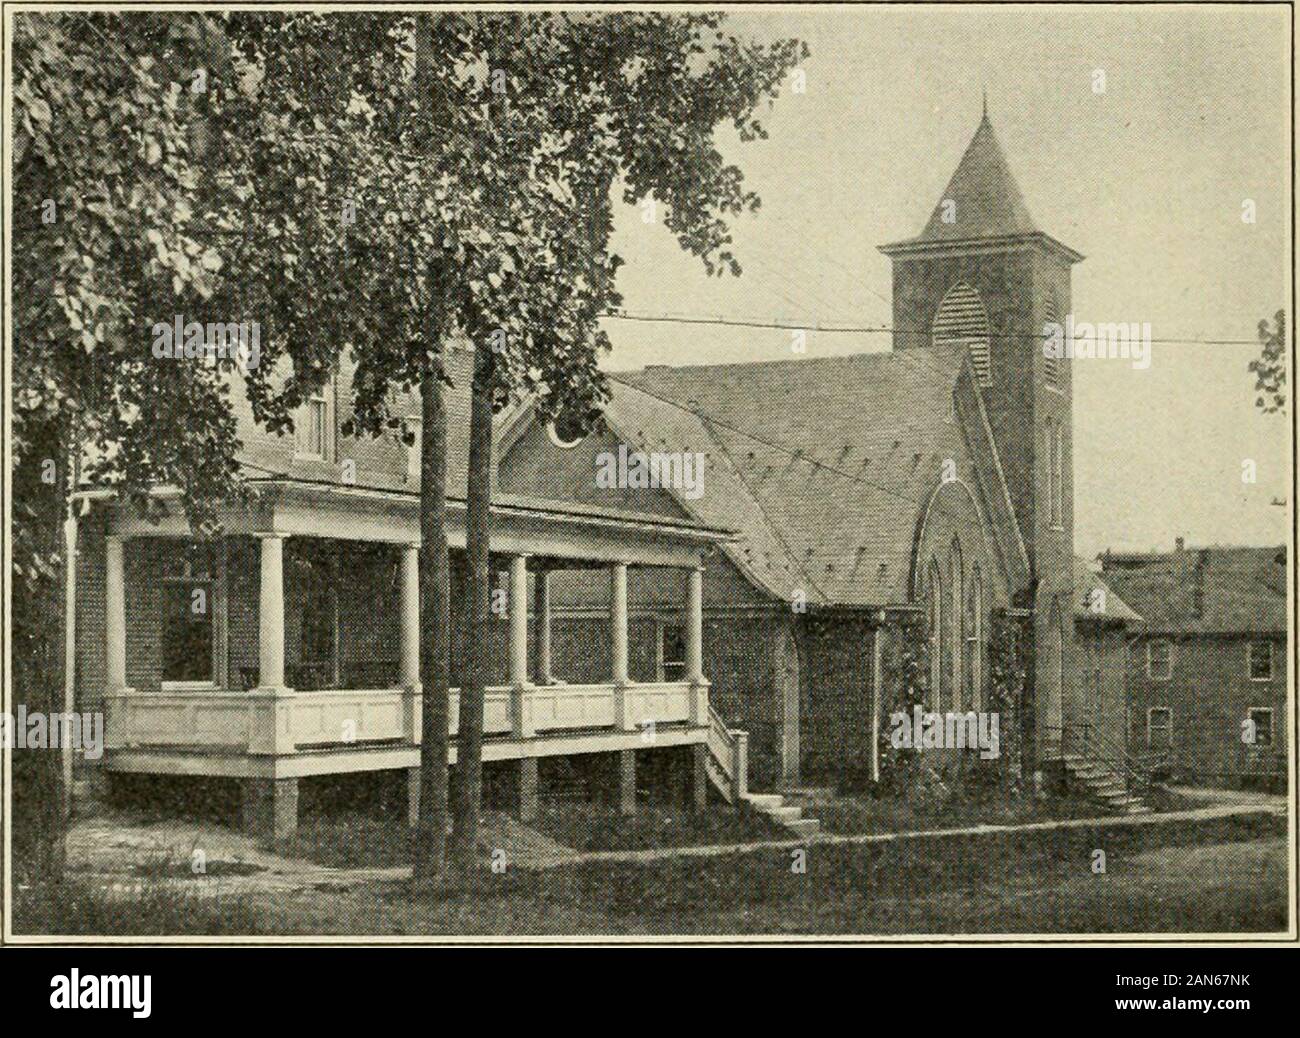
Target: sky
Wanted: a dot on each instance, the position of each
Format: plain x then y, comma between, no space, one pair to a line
1146,178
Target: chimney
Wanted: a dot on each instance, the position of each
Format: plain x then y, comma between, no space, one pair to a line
1178,544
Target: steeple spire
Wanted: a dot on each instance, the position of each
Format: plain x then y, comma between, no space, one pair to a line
982,199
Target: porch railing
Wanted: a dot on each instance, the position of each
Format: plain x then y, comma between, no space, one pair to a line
273,723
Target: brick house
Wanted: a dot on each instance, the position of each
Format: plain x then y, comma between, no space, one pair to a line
285,649
1207,674
929,483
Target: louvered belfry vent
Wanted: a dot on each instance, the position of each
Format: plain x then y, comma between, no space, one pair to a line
962,324
1051,363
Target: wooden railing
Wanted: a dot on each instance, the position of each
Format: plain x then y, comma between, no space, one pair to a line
274,723
728,758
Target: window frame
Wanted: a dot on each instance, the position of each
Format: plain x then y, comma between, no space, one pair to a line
303,425
1250,716
1168,727
1169,662
1250,662
211,582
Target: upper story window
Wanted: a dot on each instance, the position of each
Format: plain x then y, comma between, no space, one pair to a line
314,425
1260,661
1051,363
1160,659
962,324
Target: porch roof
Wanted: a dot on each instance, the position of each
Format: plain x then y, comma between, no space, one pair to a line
521,524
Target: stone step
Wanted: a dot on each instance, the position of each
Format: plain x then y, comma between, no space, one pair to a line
784,814
764,801
804,826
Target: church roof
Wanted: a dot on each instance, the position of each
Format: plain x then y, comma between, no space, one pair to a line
987,202
822,465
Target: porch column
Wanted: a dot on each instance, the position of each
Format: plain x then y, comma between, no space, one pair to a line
695,626
519,619
115,615
618,621
695,646
521,720
542,627
410,640
623,720
270,640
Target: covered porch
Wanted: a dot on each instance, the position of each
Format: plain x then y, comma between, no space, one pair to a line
289,646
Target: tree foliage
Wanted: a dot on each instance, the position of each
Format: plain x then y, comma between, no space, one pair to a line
1270,366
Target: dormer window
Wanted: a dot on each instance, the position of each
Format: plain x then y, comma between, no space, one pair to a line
962,324
313,426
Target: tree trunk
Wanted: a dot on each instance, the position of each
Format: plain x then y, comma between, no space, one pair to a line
469,746
430,843
40,485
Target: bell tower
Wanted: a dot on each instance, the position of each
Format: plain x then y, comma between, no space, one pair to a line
982,279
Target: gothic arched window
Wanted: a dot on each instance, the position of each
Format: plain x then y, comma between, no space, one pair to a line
956,638
934,625
975,640
962,324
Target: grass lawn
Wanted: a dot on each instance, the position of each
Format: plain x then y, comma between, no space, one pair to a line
1206,876
863,813
365,839
588,827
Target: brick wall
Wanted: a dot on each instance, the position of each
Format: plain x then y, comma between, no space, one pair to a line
1209,692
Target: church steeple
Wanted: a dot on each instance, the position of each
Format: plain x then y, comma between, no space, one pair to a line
982,200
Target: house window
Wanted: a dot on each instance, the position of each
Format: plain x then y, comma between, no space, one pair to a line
312,426
1160,728
961,324
672,653
187,642
1160,653
416,426
1260,657
1261,722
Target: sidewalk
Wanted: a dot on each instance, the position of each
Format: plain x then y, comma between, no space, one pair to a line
112,853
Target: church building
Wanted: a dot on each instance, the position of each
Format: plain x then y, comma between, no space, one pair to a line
917,496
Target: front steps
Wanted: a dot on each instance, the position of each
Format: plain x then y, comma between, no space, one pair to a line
1096,781
790,816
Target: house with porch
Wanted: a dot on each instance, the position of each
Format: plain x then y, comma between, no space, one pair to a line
286,647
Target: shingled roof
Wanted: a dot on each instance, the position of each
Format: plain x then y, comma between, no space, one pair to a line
823,465
1216,590
987,200
1108,607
